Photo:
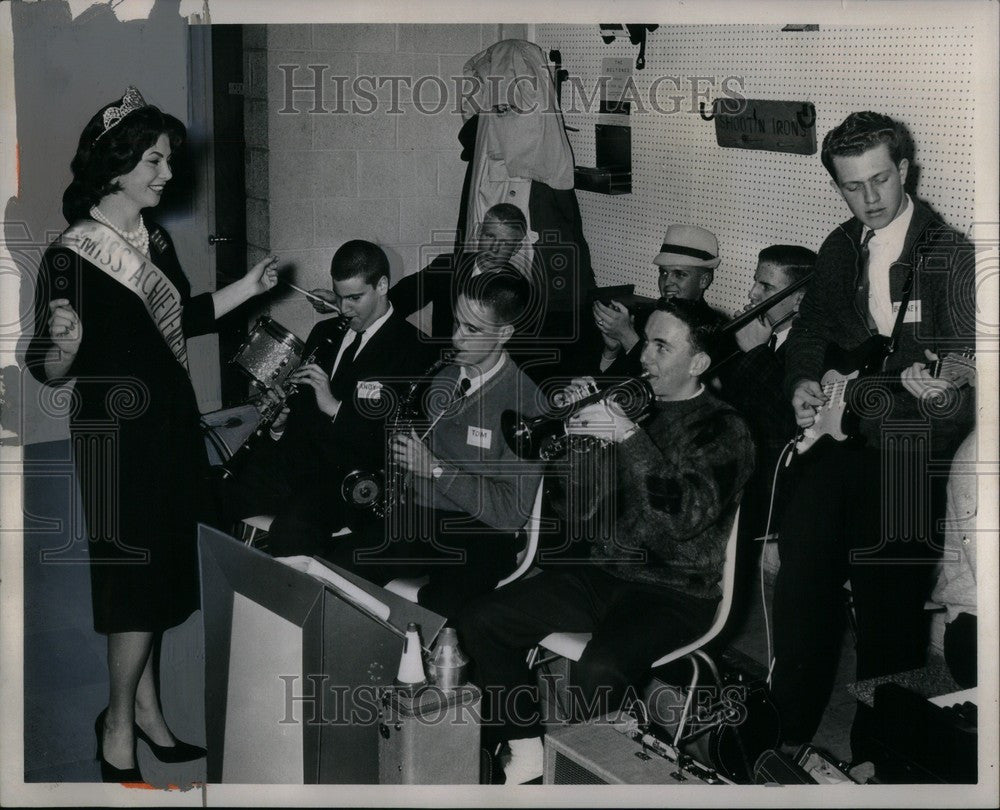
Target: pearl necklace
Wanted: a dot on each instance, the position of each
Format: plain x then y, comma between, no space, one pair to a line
138,238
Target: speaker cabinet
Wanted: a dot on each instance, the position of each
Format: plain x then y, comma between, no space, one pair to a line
596,754
430,737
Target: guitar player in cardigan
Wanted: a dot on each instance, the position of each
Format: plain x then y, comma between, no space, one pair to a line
896,283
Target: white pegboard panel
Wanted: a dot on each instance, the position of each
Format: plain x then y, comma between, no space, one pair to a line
923,77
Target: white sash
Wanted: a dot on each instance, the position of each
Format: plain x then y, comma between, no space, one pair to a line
108,251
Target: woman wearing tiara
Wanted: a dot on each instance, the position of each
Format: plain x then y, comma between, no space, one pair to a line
113,310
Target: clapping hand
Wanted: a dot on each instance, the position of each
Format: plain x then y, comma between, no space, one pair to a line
616,324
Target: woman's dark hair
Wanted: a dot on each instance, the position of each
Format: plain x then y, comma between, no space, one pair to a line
100,158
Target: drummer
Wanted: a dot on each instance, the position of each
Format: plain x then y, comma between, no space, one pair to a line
335,422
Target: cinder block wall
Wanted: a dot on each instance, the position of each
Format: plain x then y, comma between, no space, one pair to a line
323,166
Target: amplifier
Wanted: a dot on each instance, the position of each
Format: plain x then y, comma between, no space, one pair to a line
913,741
429,737
598,753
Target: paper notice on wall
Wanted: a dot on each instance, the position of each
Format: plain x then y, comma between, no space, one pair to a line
616,85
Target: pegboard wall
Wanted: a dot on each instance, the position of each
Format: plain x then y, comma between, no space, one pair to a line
922,77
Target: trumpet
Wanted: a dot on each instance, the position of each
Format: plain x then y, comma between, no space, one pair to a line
545,437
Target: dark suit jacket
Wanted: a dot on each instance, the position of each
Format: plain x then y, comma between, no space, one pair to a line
437,283
753,384
319,446
944,267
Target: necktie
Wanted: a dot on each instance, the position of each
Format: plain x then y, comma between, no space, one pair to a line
343,378
457,394
772,342
863,280
461,390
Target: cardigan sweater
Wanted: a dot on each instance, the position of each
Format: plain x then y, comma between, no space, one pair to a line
944,318
482,477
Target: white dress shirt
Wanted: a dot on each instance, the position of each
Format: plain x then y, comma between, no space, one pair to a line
884,248
352,336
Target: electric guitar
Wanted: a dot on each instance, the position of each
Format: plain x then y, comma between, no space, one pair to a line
835,418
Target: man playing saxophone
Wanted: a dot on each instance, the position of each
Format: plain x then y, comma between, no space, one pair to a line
465,494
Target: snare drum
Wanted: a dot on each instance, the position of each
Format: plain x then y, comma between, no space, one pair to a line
270,353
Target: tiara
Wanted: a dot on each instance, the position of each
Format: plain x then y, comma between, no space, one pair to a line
113,115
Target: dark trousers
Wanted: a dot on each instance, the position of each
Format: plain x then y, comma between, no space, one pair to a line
867,515
305,501
632,625
462,558
960,643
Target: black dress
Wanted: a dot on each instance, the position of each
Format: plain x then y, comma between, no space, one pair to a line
134,423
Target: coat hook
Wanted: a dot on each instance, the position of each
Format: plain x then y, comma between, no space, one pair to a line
806,116
701,111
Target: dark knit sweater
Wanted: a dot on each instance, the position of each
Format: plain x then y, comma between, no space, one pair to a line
677,483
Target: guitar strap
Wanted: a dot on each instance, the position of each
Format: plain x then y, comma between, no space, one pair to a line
904,302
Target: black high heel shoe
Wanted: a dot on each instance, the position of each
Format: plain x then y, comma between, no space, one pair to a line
109,773
178,752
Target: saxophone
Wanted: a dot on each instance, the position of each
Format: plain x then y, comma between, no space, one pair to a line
379,491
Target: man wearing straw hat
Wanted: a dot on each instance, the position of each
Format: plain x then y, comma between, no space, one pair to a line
686,264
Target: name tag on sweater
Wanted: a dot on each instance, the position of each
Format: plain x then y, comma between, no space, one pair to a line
369,389
912,311
479,437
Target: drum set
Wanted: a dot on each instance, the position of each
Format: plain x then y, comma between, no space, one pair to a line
270,354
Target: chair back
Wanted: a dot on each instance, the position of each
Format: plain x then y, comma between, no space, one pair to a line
728,585
409,587
532,528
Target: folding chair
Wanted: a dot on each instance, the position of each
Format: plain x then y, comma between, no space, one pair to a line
409,587
572,645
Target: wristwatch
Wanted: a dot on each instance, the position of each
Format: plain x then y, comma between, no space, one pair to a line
437,472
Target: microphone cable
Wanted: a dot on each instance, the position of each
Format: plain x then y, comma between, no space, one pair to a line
788,450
